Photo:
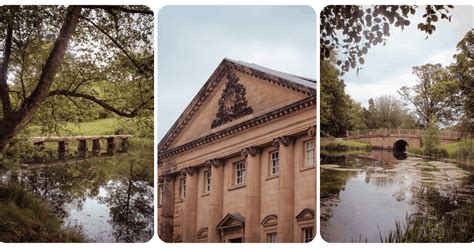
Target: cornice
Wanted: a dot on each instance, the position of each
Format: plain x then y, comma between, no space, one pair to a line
257,121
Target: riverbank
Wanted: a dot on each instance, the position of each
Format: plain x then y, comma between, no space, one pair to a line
345,145
27,218
99,199
461,152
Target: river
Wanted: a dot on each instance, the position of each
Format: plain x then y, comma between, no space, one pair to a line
109,198
362,196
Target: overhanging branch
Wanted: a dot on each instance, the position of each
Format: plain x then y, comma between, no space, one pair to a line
102,103
119,46
119,8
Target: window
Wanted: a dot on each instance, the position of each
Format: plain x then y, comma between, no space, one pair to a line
307,234
240,172
309,153
271,238
275,163
160,194
182,188
207,181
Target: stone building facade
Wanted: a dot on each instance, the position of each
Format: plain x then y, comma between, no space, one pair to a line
239,163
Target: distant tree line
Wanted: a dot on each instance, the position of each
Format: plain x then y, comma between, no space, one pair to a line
442,96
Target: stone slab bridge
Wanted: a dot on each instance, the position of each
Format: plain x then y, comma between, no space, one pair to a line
82,148
399,139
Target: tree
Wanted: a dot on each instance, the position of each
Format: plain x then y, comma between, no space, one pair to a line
463,73
431,138
55,57
350,30
370,115
356,116
389,112
436,95
334,105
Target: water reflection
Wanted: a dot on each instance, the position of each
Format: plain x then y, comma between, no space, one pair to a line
111,198
363,195
400,155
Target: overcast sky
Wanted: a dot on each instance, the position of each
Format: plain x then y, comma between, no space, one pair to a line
193,40
388,68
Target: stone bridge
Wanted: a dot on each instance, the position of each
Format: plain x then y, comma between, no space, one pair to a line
399,139
82,149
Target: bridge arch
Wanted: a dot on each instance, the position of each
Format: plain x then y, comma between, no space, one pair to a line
400,145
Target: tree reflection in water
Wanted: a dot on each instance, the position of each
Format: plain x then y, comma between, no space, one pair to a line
128,186
130,200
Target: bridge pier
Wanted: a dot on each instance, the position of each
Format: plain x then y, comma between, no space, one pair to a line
123,145
63,149
96,146
110,146
82,148
39,146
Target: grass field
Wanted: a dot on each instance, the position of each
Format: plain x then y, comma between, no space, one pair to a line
345,145
453,148
96,127
462,150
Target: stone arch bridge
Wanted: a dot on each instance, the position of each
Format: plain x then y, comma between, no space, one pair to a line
399,139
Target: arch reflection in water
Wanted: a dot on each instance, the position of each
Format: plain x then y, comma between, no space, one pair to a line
400,155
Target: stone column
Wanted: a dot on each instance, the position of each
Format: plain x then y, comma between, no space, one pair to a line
96,145
110,146
190,205
63,148
285,189
216,199
123,145
167,209
82,148
252,197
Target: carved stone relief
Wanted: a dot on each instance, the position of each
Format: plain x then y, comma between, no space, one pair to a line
232,104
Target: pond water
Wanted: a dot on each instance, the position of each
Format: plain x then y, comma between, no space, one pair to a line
109,198
362,196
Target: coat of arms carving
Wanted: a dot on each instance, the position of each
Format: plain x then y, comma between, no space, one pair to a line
232,104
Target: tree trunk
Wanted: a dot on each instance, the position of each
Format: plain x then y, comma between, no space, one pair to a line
4,92
15,121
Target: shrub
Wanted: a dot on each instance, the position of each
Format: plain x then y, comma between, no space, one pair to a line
465,151
438,152
26,218
415,150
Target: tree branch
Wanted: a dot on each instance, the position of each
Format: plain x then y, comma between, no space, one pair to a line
120,8
102,103
135,63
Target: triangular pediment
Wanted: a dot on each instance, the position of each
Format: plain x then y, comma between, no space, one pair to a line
305,214
230,221
235,92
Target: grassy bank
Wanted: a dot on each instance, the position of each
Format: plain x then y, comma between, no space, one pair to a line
23,150
101,127
345,145
462,151
26,218
443,221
